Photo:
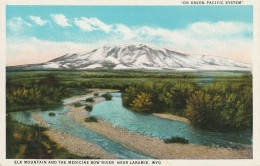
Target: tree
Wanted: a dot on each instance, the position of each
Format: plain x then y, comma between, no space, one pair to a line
142,102
199,110
129,95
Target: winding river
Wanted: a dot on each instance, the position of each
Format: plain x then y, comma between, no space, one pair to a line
114,113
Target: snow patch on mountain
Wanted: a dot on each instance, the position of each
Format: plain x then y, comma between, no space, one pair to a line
111,59
51,65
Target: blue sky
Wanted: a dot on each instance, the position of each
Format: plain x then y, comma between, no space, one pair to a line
191,29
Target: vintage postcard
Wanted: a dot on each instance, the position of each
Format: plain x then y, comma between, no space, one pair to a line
129,82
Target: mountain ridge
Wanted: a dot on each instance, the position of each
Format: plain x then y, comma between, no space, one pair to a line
137,57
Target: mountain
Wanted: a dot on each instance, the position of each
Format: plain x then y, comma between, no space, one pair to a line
133,57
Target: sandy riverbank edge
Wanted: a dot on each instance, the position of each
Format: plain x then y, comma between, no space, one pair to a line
171,117
72,143
152,146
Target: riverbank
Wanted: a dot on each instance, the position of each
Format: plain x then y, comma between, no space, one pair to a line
154,146
99,92
171,117
72,143
78,146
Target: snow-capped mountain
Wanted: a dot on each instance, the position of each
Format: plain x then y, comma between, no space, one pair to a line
131,57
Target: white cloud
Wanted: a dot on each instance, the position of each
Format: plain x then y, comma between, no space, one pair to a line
17,24
124,32
225,39
196,31
91,24
60,19
219,28
38,20
32,50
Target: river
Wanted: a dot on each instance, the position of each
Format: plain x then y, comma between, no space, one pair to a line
145,124
61,122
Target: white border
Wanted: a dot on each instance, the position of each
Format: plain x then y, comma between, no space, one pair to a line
256,72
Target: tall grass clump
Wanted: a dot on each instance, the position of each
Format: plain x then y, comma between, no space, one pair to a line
91,119
51,114
176,140
77,104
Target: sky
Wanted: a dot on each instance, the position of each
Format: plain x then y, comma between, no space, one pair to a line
37,34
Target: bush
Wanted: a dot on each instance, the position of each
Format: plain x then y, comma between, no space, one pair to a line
221,106
199,110
46,91
88,108
51,114
91,100
91,119
77,104
142,102
167,97
176,140
107,96
129,95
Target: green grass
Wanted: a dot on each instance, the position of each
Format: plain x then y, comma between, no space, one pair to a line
118,79
17,107
176,140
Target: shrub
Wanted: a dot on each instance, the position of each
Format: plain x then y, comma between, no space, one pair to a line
107,96
88,108
90,100
221,106
129,95
142,102
91,119
176,140
77,105
51,114
199,110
